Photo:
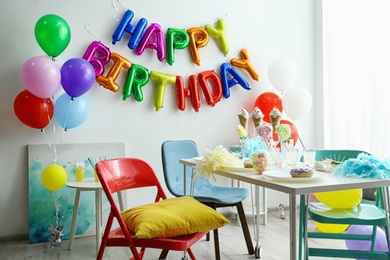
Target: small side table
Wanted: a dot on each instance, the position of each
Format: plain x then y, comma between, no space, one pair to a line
88,184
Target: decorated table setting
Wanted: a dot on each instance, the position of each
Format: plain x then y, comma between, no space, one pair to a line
270,159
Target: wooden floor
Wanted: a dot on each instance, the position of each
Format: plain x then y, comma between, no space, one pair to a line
274,239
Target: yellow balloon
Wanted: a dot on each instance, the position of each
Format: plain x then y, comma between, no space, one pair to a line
54,177
343,199
331,228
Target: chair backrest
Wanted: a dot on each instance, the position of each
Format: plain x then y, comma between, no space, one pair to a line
171,152
343,155
127,173
337,155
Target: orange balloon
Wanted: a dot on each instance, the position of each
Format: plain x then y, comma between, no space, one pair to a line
198,39
245,63
109,80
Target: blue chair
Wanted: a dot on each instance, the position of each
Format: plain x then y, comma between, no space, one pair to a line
371,214
203,190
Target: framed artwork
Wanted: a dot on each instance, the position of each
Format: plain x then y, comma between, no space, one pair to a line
56,208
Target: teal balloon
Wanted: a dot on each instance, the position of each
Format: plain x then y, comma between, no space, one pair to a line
71,112
52,33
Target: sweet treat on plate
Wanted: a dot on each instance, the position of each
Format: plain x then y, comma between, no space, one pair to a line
257,117
275,117
243,116
248,164
301,172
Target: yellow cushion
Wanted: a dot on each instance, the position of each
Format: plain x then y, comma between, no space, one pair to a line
172,217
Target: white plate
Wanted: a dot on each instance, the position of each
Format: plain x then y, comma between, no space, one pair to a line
238,169
284,175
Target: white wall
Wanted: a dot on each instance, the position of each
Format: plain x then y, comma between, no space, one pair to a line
268,29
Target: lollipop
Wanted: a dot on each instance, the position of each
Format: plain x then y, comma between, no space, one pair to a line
257,117
243,117
265,132
284,132
242,133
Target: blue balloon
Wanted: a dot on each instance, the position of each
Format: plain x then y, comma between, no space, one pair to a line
71,112
77,76
125,26
227,83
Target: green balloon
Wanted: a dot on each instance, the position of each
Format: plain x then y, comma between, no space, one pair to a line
52,33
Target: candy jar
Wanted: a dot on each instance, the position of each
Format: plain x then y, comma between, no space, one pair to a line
260,161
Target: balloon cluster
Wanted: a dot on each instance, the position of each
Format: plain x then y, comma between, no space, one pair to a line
213,85
42,77
269,102
294,102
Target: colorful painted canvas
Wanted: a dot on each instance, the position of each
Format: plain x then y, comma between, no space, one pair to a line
56,208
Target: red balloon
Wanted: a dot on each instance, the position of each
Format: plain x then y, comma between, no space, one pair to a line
268,101
215,94
33,111
294,131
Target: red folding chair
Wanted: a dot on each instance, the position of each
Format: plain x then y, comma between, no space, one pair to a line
128,173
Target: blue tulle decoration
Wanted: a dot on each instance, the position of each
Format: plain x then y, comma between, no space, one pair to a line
364,166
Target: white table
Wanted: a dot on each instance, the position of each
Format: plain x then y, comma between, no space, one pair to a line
86,185
327,183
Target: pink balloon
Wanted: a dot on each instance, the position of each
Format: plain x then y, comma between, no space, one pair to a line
41,76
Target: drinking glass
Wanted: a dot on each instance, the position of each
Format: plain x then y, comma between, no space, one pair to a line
309,157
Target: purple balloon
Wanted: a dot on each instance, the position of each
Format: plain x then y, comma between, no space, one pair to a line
77,77
380,244
41,76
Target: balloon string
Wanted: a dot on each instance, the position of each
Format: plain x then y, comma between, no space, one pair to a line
67,113
89,31
235,54
57,206
51,146
116,9
299,138
214,21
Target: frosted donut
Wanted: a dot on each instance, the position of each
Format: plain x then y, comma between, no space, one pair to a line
301,172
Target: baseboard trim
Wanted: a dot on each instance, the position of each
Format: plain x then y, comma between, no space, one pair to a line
14,237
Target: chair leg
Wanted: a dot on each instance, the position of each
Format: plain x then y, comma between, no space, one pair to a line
216,245
163,254
245,229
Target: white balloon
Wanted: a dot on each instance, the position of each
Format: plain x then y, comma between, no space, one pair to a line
296,102
281,74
